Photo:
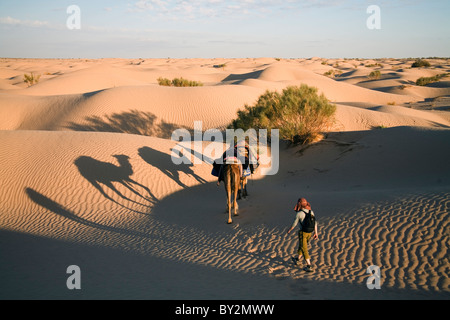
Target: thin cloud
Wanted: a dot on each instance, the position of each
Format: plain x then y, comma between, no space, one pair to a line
27,23
234,9
205,9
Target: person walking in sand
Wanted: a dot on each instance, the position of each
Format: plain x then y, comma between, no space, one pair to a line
305,218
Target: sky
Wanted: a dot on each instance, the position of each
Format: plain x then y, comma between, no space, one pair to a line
224,29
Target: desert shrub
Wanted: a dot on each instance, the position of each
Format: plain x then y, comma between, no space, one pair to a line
374,65
420,63
333,73
374,75
299,113
178,82
164,82
423,81
31,79
220,66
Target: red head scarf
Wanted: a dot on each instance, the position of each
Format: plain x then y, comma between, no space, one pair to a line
299,207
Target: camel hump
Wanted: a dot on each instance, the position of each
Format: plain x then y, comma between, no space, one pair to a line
121,157
93,169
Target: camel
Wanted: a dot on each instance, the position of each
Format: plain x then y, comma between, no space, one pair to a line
232,180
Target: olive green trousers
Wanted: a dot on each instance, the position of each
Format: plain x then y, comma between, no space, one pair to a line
303,239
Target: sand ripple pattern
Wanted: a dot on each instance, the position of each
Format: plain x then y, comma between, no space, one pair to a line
398,236
407,238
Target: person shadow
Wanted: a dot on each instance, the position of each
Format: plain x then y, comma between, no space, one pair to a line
59,209
164,163
100,173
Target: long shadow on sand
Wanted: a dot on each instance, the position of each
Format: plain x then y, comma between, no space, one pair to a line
164,162
100,173
55,207
131,122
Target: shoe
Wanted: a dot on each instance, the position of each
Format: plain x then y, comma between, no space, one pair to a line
295,260
308,268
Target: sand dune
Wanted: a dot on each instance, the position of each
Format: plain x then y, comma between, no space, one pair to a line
87,80
215,106
87,178
384,116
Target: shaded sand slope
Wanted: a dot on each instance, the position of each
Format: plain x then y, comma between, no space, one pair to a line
395,215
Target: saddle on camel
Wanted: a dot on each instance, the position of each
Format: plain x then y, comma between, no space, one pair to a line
241,151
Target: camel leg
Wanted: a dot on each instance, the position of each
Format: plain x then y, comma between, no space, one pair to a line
126,183
235,204
244,188
111,186
99,188
139,185
226,192
230,221
228,189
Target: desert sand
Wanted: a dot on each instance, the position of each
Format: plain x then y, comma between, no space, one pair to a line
86,179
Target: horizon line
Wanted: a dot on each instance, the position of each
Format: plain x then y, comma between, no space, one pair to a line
205,58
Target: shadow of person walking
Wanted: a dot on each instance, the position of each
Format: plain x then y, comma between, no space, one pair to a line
58,209
103,173
164,162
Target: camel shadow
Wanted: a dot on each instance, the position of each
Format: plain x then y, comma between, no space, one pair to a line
100,173
164,163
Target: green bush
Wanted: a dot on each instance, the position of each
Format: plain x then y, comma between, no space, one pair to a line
375,75
164,82
178,82
31,79
373,65
333,73
420,63
220,66
299,113
423,81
